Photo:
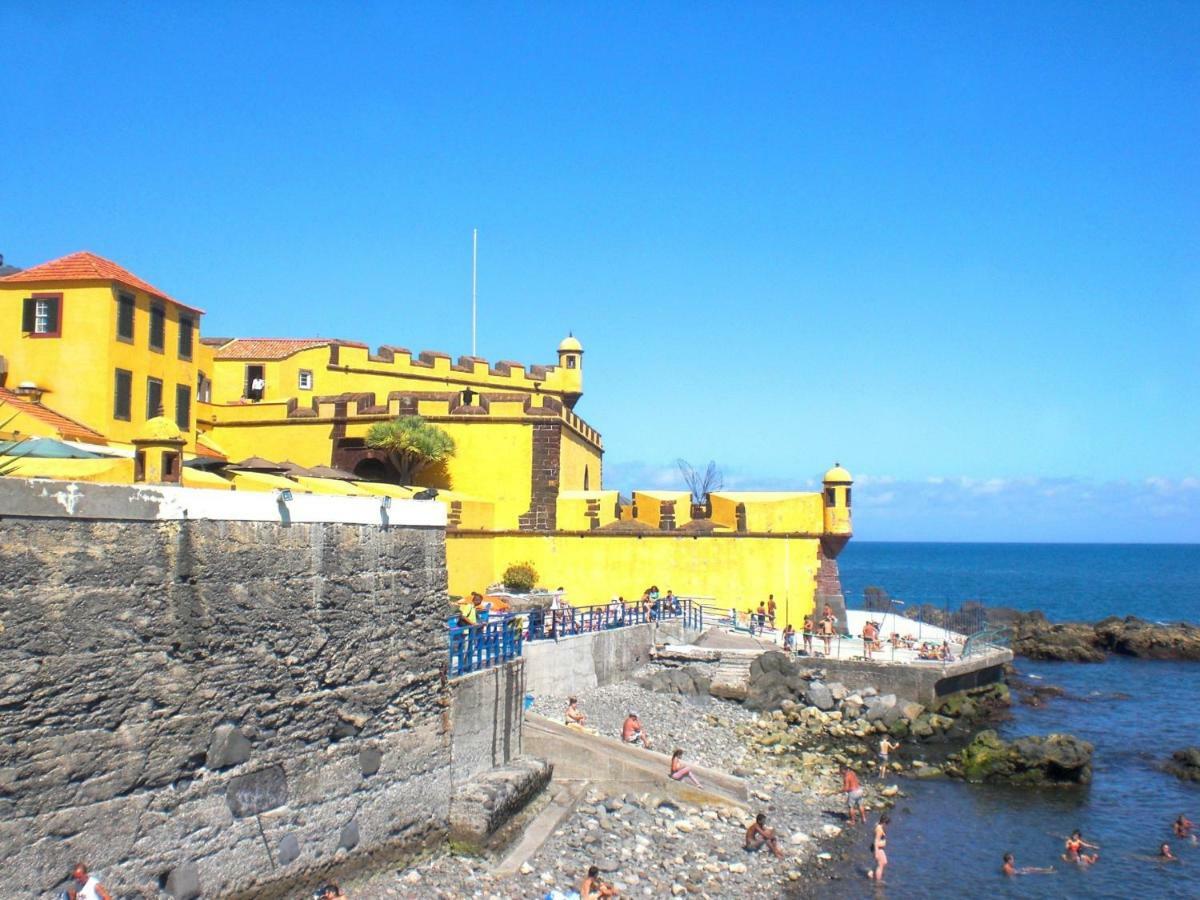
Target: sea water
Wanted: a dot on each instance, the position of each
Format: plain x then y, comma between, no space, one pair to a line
947,838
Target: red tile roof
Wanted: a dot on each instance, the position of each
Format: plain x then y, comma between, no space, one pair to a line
68,429
85,266
273,348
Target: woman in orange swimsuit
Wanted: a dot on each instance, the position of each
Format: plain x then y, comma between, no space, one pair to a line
1074,850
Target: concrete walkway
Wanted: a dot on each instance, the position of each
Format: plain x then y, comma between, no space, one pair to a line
613,766
543,825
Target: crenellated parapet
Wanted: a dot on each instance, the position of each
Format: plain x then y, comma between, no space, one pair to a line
399,362
434,405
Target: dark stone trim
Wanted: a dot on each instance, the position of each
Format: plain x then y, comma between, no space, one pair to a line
542,514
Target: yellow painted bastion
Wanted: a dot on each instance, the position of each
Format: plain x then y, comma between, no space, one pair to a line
114,375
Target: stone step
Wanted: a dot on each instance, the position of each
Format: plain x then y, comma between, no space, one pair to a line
731,680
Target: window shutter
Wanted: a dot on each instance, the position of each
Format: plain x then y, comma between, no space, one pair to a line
27,316
52,307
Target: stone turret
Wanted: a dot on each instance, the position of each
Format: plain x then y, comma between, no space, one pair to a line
570,360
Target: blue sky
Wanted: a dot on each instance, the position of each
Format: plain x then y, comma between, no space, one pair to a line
953,246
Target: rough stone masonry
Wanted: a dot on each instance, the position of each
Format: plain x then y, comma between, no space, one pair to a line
214,708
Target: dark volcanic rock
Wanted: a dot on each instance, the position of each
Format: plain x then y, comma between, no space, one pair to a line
1185,764
1132,636
1033,761
689,681
1036,638
773,679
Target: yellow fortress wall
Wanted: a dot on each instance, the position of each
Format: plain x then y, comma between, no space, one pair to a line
740,571
525,483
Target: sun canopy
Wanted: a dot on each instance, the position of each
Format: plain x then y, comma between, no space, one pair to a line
44,448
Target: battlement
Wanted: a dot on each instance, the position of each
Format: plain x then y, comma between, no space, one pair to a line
400,362
433,405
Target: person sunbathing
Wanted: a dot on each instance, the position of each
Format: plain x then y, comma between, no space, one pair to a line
679,771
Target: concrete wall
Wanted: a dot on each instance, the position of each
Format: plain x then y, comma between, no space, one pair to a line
244,701
486,712
924,683
585,661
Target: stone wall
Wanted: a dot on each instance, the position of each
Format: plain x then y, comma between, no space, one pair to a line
228,707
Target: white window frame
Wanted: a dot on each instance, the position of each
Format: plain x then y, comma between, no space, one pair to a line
305,380
41,316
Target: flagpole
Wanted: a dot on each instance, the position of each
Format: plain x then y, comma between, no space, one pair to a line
474,269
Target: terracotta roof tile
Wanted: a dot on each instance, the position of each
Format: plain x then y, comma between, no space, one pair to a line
274,348
68,429
86,266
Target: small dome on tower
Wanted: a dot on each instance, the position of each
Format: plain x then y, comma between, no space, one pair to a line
160,428
570,344
837,475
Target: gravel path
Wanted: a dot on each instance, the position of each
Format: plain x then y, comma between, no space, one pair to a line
703,726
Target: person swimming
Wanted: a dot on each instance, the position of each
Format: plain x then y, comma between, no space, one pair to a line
1010,868
1074,850
1165,854
1183,827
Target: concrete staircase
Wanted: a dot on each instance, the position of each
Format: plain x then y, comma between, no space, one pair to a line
732,679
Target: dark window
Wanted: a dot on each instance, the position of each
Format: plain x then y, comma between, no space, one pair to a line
570,362
41,316
203,388
158,327
847,498
830,497
154,398
183,407
125,309
586,477
123,395
186,331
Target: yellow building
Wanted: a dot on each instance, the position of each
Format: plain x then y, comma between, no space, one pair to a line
108,349
87,348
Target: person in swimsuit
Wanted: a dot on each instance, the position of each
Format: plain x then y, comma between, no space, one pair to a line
854,794
1164,853
827,632
593,888
878,845
868,639
573,715
1183,826
1074,850
809,627
789,639
1010,868
885,747
758,835
679,771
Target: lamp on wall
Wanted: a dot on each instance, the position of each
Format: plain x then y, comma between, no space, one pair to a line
385,503
283,496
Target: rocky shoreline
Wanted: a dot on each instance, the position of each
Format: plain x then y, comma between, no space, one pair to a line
786,740
1035,637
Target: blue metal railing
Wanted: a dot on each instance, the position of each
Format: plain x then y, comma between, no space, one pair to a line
482,646
502,636
551,624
